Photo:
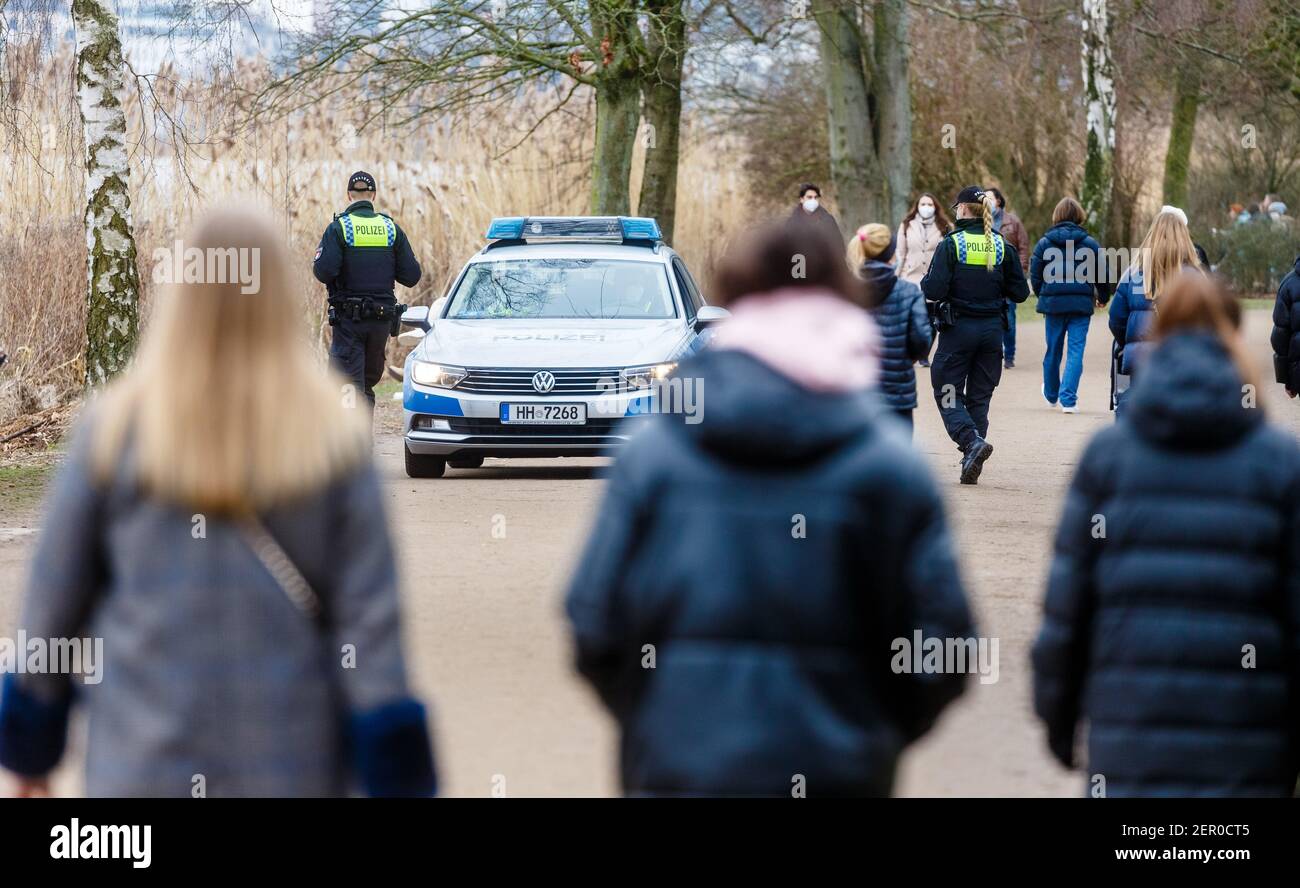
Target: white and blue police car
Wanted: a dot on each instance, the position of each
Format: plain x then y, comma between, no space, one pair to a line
549,343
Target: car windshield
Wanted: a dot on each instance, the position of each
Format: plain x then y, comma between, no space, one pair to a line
563,288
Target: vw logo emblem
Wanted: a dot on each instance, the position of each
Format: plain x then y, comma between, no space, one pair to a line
543,381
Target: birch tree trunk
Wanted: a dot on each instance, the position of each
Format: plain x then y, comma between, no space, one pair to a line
855,167
1099,92
666,47
893,91
112,319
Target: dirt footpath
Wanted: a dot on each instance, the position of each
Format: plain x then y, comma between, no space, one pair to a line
485,555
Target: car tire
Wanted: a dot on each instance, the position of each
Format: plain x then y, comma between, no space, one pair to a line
466,462
419,465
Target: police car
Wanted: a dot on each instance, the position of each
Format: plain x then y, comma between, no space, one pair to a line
551,342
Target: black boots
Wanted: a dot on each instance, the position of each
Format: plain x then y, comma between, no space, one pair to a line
972,463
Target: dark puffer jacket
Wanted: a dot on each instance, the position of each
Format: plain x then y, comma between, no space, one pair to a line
1067,271
770,565
1174,597
905,331
1286,329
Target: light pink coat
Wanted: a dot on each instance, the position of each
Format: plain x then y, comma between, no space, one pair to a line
813,337
917,242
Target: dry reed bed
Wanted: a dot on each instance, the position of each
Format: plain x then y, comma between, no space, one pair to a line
442,180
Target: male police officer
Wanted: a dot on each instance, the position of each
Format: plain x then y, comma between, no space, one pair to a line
973,277
361,253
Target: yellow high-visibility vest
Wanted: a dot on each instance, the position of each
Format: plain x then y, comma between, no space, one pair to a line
368,231
973,249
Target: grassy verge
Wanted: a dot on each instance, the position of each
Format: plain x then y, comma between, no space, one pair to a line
385,390
1027,311
22,486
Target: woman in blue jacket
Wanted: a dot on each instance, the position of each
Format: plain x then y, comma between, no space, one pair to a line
1174,594
905,329
1067,272
1166,252
753,587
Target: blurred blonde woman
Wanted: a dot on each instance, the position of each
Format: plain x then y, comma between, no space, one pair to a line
1166,252
974,276
219,526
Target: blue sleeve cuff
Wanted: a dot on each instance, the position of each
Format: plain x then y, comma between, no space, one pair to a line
33,732
391,752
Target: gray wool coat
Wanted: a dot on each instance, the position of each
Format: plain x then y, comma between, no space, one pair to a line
210,674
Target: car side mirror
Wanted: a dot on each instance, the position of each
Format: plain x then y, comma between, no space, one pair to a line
709,315
416,316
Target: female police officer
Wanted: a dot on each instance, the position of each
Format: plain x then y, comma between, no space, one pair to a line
973,274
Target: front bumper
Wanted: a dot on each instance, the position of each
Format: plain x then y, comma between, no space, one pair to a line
445,422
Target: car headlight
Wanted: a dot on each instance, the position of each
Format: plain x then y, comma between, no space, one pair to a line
646,377
436,375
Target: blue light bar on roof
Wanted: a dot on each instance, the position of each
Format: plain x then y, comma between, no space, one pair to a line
506,227
639,228
589,228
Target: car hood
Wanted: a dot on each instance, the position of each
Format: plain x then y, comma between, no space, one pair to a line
552,343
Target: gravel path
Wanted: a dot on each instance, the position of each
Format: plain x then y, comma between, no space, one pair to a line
485,555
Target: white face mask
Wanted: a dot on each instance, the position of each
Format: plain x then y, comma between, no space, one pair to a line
925,211
810,205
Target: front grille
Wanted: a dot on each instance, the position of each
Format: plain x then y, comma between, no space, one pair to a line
570,382
473,425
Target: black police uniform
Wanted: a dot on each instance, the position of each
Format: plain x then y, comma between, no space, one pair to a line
969,355
358,263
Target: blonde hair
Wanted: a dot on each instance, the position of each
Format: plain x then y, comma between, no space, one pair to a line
867,242
1165,252
987,204
225,408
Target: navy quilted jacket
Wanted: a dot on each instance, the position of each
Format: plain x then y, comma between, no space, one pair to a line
1173,600
1286,328
771,650
1067,271
905,331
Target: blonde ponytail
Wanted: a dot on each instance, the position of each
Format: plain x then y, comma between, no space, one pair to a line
984,208
855,253
989,202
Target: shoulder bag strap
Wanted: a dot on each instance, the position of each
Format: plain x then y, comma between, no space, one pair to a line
281,567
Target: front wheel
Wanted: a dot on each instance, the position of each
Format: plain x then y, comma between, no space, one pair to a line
418,465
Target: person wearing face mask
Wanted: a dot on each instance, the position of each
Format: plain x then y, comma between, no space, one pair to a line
918,236
810,209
